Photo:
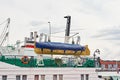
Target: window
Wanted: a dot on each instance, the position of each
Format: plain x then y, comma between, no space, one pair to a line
115,66
60,77
36,77
82,77
18,77
54,77
24,77
103,66
4,77
109,66
87,76
42,77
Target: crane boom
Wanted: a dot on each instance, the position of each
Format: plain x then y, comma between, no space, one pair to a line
5,32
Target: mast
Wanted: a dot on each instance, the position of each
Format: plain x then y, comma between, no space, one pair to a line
49,37
67,30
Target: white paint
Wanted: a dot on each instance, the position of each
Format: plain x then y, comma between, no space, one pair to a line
68,73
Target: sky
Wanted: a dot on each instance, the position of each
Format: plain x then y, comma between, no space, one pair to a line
96,21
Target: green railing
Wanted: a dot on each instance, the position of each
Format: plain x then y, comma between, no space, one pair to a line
13,60
16,60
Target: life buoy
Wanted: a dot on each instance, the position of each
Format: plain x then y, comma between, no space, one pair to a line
25,59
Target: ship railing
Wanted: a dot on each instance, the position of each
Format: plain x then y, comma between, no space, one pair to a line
3,50
107,69
6,50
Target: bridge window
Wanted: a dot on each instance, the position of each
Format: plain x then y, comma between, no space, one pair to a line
18,77
87,76
24,77
4,77
42,77
54,77
82,76
60,77
36,77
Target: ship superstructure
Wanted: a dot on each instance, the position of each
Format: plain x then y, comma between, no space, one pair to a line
35,59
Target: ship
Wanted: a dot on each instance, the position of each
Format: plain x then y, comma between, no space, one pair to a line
36,58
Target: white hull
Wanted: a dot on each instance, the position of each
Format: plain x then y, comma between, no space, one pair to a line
68,73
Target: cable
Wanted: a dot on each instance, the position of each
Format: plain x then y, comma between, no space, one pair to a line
58,36
3,22
64,31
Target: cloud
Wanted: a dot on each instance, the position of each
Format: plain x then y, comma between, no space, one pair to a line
37,23
54,30
95,16
112,33
96,7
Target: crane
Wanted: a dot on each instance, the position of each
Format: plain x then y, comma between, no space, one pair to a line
5,33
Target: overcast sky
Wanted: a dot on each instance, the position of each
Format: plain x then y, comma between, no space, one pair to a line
97,21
